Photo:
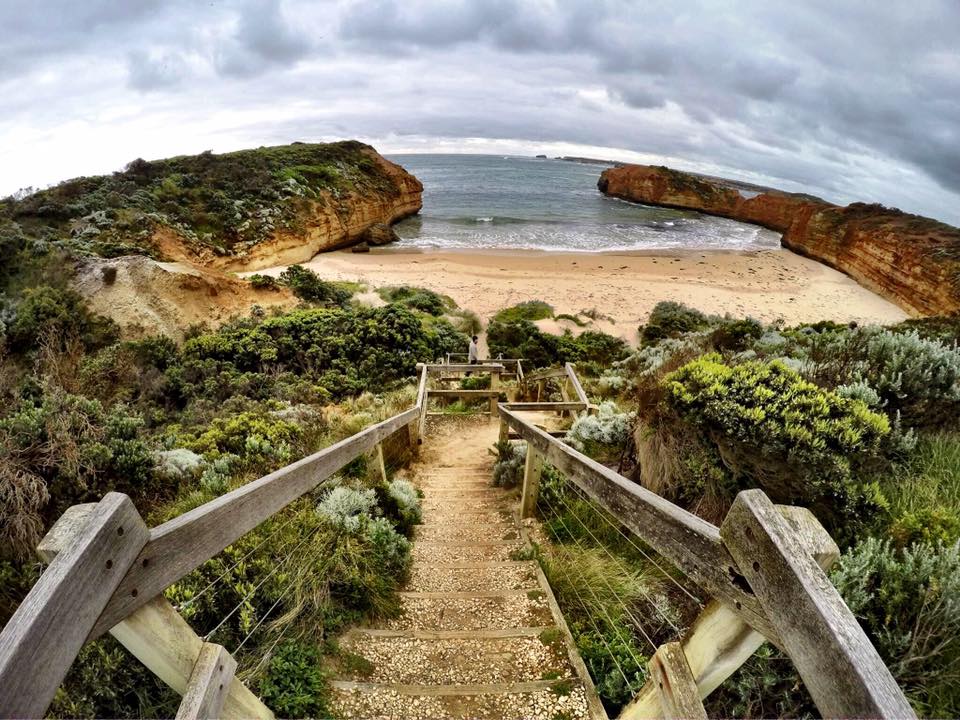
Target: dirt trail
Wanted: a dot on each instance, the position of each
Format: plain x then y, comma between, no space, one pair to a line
477,636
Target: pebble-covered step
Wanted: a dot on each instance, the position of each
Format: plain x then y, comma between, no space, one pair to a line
462,532
453,552
455,661
476,577
472,611
545,700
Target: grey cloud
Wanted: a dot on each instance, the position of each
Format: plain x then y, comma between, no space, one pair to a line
827,95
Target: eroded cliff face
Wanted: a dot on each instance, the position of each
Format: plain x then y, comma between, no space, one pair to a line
911,260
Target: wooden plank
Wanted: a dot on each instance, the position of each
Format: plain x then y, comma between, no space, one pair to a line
531,481
156,634
838,664
465,367
456,392
185,542
575,382
504,431
379,466
41,640
689,542
719,642
679,697
553,433
209,684
558,406
539,375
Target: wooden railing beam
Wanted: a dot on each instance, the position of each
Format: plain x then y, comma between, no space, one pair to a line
184,543
839,665
41,640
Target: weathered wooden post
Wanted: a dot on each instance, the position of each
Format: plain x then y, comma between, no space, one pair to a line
531,481
839,665
677,689
155,633
720,642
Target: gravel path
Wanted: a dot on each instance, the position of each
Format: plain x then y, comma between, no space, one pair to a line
465,578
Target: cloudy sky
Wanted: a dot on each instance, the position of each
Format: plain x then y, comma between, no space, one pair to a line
848,99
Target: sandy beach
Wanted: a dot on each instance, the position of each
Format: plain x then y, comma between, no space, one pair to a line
765,284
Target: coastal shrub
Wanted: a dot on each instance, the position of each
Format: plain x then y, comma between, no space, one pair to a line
475,382
417,298
465,321
942,328
929,481
59,449
248,435
294,684
929,525
402,504
523,339
671,319
308,286
529,310
343,506
56,314
508,467
908,602
263,282
601,436
736,335
759,424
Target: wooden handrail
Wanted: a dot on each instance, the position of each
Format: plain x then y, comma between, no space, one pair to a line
182,544
766,567
575,382
690,542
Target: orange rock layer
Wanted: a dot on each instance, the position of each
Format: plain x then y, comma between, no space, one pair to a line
911,260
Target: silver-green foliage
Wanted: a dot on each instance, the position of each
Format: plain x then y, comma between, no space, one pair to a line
609,428
908,601
344,506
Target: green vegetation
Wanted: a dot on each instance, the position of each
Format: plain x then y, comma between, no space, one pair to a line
225,203
308,286
512,334
418,298
860,425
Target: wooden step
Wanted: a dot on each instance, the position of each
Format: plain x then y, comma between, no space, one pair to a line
471,611
424,551
456,661
489,532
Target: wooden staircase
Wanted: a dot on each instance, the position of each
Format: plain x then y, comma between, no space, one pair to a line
479,634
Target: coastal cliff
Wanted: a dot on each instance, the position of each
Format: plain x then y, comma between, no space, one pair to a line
151,246
911,260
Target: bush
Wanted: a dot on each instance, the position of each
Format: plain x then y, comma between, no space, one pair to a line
343,507
670,319
530,310
308,286
295,684
929,525
509,466
61,449
264,282
248,435
736,335
417,298
767,427
523,339
908,602
601,436
406,500
58,314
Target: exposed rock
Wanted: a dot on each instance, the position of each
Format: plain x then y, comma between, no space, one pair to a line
911,260
362,247
146,297
380,234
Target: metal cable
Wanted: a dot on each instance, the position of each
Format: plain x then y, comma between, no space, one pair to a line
603,513
191,601
606,582
266,577
604,611
619,564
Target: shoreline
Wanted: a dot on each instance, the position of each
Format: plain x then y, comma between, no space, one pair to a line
767,284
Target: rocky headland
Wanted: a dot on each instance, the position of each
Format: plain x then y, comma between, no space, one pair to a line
911,260
154,245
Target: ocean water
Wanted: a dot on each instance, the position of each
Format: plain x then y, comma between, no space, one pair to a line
524,203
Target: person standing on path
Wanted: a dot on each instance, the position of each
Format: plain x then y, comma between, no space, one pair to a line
473,353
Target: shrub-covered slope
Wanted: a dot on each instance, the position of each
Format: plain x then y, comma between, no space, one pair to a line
245,209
